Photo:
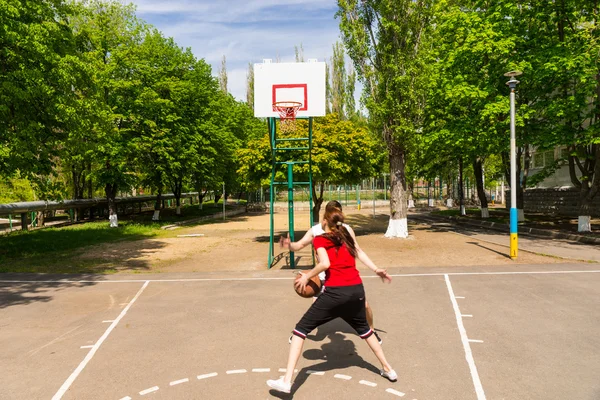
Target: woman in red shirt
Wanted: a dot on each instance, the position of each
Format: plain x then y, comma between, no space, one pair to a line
343,296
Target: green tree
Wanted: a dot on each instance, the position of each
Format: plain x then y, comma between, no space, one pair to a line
250,86
338,81
386,40
223,75
36,49
108,39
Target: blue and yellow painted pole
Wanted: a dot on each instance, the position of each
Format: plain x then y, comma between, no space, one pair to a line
514,235
514,238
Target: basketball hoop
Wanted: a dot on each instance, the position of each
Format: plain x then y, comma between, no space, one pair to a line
287,111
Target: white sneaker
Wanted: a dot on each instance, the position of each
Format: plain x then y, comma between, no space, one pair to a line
392,375
280,385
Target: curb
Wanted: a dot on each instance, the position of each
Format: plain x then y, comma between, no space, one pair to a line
522,229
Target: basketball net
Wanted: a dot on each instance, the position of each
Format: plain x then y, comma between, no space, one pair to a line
287,111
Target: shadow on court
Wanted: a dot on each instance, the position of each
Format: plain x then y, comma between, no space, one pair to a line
336,355
27,292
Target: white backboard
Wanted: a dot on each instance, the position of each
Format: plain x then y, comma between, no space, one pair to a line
302,82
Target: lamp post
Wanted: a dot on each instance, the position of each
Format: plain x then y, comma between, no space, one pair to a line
514,241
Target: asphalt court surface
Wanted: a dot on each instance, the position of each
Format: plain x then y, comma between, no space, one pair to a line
221,336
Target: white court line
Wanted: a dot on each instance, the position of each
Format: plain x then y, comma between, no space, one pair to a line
236,371
458,297
108,320
466,315
465,341
87,347
149,390
475,341
397,393
184,380
125,398
285,370
311,372
372,384
289,278
344,377
65,386
207,375
261,369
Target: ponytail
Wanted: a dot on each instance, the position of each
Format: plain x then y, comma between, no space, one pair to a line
339,234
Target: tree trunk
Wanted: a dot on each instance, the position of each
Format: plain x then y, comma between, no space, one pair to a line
411,194
318,200
111,192
157,205
450,186
177,192
78,187
478,169
217,195
198,186
398,224
589,186
461,194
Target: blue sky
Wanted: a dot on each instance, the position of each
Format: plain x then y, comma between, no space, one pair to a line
245,30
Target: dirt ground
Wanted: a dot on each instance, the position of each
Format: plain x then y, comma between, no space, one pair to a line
241,244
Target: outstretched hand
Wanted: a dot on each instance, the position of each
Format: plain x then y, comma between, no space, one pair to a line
284,242
382,273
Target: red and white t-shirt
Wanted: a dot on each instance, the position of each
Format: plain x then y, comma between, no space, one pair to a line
342,266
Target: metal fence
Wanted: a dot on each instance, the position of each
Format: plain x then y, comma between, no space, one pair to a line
28,211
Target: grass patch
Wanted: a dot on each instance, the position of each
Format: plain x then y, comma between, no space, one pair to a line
58,250
47,246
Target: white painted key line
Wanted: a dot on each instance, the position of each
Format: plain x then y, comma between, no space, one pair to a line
465,341
67,384
242,371
149,390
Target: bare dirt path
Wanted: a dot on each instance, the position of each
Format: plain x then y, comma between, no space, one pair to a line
241,244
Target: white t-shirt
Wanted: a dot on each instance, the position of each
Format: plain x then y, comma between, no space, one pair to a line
317,230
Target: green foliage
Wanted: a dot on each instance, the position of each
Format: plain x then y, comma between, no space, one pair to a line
36,48
15,190
343,152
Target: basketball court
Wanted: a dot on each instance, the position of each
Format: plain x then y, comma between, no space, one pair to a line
466,331
498,333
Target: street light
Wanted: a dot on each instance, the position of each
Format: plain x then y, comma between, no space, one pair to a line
514,241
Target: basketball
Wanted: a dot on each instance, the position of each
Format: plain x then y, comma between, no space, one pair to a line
312,287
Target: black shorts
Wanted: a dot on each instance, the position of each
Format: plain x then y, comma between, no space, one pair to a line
346,302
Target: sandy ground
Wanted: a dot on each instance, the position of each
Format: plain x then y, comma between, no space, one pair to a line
242,243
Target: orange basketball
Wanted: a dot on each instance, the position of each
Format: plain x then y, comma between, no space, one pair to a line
312,288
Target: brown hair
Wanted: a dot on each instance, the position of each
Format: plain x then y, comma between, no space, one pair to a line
339,235
333,205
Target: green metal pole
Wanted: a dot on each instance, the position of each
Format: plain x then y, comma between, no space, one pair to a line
373,187
290,176
310,180
271,122
310,176
10,221
223,201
